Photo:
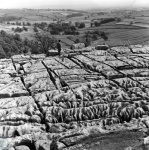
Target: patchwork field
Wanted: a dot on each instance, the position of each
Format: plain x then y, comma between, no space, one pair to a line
85,95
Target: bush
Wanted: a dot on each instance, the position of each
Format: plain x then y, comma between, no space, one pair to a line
95,37
77,41
97,32
82,25
107,20
74,15
35,29
77,33
104,36
18,29
97,24
76,24
28,24
73,28
87,42
25,29
17,37
70,32
55,32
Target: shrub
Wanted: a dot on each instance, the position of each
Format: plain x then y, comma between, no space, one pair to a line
25,29
82,25
35,29
97,32
73,28
55,32
97,24
95,37
77,41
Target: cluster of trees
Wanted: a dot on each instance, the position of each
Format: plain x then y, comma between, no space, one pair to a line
19,23
9,18
18,29
75,15
64,28
80,25
95,35
98,22
42,43
107,20
13,44
73,10
35,29
59,28
42,25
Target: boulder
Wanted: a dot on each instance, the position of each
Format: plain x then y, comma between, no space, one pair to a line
42,145
144,120
146,140
60,145
11,148
72,140
55,128
77,46
22,147
35,118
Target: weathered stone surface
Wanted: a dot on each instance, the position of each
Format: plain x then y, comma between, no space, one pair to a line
60,145
42,145
56,128
28,128
22,147
11,148
146,140
72,140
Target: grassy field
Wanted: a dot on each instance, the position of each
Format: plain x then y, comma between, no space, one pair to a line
114,141
118,32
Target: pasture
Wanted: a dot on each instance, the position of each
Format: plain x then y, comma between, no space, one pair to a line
133,26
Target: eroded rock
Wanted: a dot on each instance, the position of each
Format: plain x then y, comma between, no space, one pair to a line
22,147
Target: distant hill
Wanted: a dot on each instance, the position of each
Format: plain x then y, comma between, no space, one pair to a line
77,7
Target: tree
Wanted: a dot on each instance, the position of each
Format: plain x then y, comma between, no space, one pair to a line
45,42
35,29
17,37
131,22
24,24
2,52
68,32
104,36
3,33
55,32
92,24
77,41
25,29
18,29
73,28
76,24
95,37
82,25
97,32
87,42
97,24
28,24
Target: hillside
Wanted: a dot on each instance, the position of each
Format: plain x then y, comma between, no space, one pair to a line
83,100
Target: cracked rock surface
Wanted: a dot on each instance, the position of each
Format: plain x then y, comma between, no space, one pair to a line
86,99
